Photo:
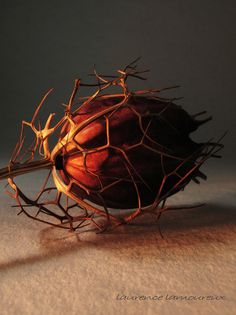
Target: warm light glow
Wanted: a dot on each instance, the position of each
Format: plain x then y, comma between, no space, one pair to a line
125,150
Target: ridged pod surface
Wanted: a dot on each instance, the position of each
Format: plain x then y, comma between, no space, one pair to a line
131,155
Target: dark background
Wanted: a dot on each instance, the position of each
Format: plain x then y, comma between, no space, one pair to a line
50,43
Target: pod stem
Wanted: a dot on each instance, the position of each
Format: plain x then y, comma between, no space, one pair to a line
16,169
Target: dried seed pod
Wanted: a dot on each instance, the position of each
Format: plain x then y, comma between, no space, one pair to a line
123,156
123,151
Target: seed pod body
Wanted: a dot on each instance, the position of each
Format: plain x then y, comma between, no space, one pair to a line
130,156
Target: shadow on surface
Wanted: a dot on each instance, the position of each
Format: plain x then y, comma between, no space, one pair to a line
180,228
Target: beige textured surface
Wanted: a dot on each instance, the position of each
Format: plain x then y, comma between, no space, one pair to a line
44,270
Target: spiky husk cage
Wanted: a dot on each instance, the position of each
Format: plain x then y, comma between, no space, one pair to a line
128,150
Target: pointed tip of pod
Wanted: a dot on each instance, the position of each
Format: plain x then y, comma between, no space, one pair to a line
203,121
